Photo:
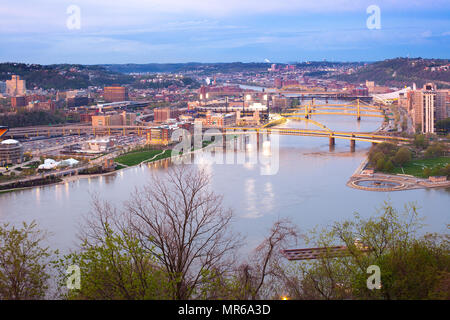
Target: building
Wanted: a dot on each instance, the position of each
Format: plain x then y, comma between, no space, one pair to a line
15,86
48,105
115,94
159,135
244,119
18,102
98,145
217,120
279,103
11,152
114,119
164,114
278,83
427,106
74,102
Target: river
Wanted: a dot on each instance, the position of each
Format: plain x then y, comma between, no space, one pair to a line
309,188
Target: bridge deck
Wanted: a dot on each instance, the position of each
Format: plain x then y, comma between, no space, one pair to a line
316,253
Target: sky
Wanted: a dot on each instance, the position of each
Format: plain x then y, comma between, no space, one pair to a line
172,31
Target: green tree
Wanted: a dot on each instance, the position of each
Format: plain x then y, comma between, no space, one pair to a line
418,270
420,141
113,266
24,263
380,164
435,150
375,156
402,156
426,172
412,267
443,126
388,166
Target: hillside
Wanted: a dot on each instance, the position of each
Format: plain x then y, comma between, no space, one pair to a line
402,71
62,76
200,68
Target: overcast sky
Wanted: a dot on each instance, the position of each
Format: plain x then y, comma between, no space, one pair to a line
132,31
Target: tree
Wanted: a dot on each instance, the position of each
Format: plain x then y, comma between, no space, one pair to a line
419,270
380,164
420,141
443,126
388,166
24,263
426,172
113,266
257,276
391,242
435,150
183,224
402,156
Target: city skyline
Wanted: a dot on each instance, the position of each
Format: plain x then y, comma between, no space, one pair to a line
198,31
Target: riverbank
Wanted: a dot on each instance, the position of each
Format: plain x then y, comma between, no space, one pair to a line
368,180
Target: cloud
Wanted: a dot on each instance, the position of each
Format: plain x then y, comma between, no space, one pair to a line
213,30
46,15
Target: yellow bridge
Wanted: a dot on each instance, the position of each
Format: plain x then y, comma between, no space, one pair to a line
304,113
358,109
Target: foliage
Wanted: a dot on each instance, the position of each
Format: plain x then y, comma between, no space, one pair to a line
420,141
402,156
31,118
61,77
435,150
443,126
113,266
182,223
399,72
24,269
412,267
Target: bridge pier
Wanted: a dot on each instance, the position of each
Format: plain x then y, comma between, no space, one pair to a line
224,140
257,140
352,145
332,141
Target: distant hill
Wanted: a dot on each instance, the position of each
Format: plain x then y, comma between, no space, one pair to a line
184,67
402,71
62,76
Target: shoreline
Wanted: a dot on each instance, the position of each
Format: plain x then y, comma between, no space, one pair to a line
73,178
403,182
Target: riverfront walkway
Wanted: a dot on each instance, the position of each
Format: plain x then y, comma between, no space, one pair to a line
382,182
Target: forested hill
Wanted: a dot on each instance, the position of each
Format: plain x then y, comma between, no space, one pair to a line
62,76
189,66
403,71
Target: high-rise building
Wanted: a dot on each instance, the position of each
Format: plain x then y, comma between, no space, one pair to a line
427,106
115,94
15,86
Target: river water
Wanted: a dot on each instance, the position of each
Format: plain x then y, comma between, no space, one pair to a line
309,188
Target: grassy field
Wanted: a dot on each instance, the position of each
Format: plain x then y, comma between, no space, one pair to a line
134,158
166,154
415,167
